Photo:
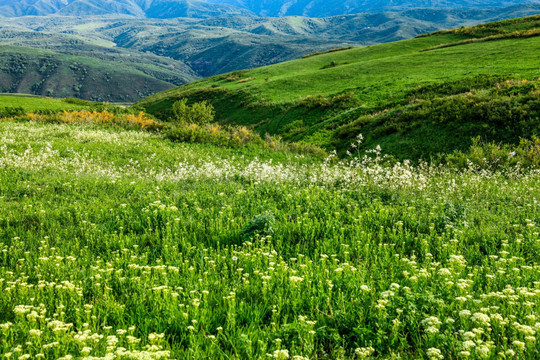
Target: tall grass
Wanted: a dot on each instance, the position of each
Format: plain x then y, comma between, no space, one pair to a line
121,244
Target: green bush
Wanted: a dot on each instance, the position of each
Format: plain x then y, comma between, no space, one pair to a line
82,102
259,226
493,156
199,113
502,113
11,111
337,102
454,215
212,134
277,143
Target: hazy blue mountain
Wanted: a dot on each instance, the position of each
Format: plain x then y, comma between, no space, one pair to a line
139,8
323,8
162,9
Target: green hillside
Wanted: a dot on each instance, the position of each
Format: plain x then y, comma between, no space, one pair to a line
48,73
32,103
446,87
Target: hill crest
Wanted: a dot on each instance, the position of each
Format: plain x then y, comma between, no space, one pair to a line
452,85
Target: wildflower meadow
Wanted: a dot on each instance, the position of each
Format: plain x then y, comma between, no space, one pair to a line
120,244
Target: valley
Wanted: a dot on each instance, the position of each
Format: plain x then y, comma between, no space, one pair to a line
160,54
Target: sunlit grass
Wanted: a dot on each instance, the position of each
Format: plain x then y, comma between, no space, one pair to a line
34,103
121,244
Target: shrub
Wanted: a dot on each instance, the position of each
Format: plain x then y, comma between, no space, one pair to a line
212,134
454,215
341,101
103,118
330,65
315,101
259,226
81,102
276,143
327,51
11,111
492,156
199,113
501,113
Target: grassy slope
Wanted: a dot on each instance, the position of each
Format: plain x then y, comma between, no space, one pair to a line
31,103
205,47
273,98
42,72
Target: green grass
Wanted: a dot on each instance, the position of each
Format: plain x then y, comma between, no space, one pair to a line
121,242
294,99
31,103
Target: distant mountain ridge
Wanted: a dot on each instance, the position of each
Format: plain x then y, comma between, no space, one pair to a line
205,47
165,9
324,8
158,9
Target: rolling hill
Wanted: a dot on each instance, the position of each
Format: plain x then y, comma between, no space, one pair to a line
48,73
172,52
219,45
447,86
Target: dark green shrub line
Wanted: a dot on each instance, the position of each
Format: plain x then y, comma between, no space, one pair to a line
493,156
504,113
327,52
514,35
8,112
494,28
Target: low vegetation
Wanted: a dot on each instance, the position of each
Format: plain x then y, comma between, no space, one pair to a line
20,103
121,244
199,113
502,112
104,117
494,156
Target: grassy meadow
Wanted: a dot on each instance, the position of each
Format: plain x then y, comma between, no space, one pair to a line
329,98
31,103
120,244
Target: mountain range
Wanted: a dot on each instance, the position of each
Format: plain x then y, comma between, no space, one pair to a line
323,8
136,8
211,8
